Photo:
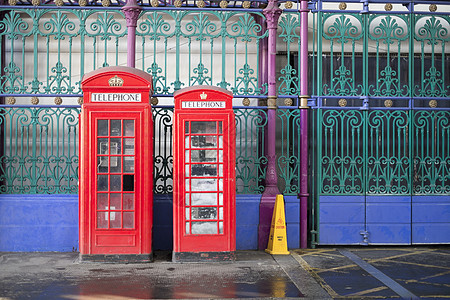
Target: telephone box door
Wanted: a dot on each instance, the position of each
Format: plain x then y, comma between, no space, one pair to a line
204,196
116,190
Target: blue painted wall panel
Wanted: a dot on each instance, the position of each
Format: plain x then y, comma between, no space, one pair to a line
340,234
247,220
341,219
388,219
39,223
162,222
292,212
431,219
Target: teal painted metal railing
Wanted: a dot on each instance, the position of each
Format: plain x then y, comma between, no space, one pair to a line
40,150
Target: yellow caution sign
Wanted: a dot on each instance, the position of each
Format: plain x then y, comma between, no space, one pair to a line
277,239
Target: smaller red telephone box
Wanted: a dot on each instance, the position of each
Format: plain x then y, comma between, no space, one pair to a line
116,165
204,175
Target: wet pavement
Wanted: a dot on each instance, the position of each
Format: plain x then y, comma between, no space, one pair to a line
380,272
395,272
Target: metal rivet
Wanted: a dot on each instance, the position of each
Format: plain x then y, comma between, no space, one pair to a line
80,100
388,103
35,2
433,103
342,102
11,100
246,102
201,4
58,100
288,101
106,3
178,3
12,2
155,101
433,7
35,100
82,2
59,2
223,4
288,5
342,6
246,4
388,7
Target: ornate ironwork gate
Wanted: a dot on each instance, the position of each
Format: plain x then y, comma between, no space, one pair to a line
382,127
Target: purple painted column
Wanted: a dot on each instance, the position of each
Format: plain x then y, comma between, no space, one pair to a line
304,125
131,11
272,13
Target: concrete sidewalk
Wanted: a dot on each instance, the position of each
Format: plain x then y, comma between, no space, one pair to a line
357,272
254,274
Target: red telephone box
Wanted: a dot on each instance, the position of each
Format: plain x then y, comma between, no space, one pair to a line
204,175
116,165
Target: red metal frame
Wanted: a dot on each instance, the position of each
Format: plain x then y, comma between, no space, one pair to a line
202,136
110,222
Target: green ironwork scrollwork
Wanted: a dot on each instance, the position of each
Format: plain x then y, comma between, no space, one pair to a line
388,163
431,152
389,32
341,159
435,34
341,32
289,159
250,158
42,152
289,81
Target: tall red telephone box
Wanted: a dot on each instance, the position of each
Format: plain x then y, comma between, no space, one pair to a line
116,166
204,175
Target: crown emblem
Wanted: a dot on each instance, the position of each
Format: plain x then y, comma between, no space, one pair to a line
203,96
115,81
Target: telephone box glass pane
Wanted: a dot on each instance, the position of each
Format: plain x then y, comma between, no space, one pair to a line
128,220
187,213
203,141
128,146
221,213
102,219
202,156
201,213
116,146
187,228
204,228
102,146
102,128
128,183
102,182
115,201
204,184
116,128
186,169
115,183
128,201
204,170
186,127
203,127
102,201
128,164
187,199
204,198
116,165
115,219
128,126
220,127
102,164
221,227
